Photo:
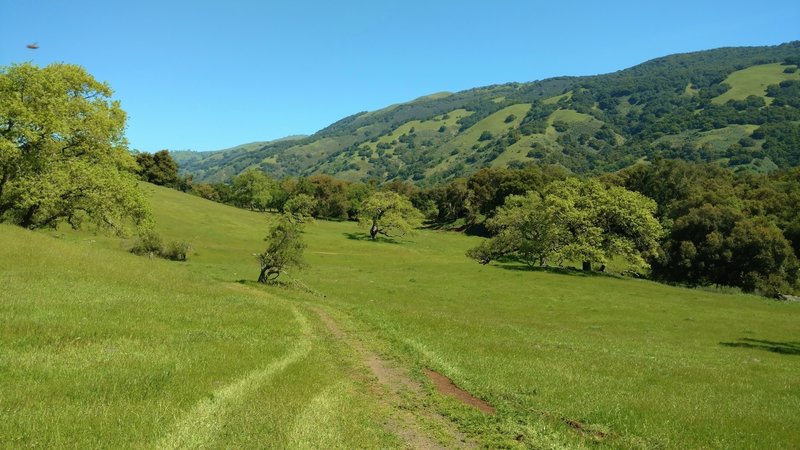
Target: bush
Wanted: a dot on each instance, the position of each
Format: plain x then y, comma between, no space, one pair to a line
176,251
486,136
151,244
148,243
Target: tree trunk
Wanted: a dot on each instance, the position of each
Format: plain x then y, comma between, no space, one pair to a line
27,219
262,277
373,231
587,266
268,274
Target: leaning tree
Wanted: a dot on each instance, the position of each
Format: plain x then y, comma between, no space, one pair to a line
284,249
389,214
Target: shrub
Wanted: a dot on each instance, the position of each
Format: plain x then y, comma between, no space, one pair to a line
148,243
177,251
151,244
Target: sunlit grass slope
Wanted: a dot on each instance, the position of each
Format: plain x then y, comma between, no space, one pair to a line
754,81
101,348
645,364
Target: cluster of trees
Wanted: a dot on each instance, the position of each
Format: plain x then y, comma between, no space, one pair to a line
63,153
685,223
383,212
722,228
573,220
161,169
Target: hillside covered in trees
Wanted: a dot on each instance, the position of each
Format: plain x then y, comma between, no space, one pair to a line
736,107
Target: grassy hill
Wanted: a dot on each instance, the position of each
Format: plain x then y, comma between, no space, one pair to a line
100,348
754,81
658,108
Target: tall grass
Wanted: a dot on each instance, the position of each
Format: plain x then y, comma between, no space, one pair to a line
102,348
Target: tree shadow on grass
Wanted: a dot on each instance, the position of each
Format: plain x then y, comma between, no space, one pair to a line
784,348
510,265
365,237
477,229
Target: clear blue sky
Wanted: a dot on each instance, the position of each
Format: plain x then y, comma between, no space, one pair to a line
206,75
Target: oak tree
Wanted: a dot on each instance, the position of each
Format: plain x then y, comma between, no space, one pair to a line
389,214
63,152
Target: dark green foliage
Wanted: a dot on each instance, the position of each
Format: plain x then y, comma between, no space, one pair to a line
635,110
722,229
782,143
786,93
158,168
719,245
486,136
488,188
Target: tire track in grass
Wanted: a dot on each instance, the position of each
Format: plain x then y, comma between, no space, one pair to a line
402,389
315,426
198,427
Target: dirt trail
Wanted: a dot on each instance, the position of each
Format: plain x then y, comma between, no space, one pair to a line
400,388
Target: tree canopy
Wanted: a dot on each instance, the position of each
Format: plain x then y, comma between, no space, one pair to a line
389,214
284,249
574,220
63,153
158,168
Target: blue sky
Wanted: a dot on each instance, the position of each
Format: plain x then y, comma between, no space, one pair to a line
206,75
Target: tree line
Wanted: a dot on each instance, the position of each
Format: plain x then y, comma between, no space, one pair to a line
672,221
64,159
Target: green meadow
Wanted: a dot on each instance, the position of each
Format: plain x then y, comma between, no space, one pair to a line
101,348
754,81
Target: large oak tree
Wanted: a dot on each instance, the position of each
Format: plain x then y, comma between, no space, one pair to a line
63,153
574,220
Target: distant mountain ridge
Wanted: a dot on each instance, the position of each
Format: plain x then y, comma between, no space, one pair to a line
738,106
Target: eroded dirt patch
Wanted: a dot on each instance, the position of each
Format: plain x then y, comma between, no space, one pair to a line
446,387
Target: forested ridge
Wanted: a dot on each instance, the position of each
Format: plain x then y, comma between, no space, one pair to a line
736,107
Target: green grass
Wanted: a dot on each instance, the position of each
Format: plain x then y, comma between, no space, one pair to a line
494,123
754,81
100,348
639,360
557,98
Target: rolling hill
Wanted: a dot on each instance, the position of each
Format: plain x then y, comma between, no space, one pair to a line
101,348
702,106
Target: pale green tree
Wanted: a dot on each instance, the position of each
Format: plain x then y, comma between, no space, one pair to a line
284,249
253,189
300,207
63,153
389,214
574,220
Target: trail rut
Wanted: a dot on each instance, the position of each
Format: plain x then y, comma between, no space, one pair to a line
401,389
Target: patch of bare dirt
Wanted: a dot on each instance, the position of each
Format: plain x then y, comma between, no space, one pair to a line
446,387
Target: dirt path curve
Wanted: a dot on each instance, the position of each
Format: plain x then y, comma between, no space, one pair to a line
402,391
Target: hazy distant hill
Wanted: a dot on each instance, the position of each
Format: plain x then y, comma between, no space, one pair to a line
738,106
